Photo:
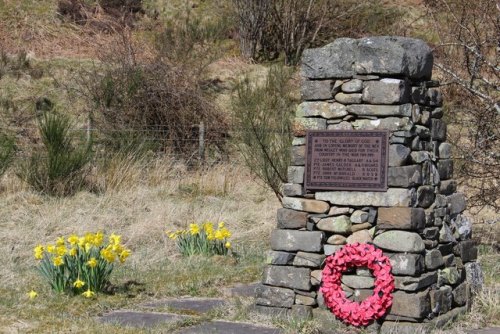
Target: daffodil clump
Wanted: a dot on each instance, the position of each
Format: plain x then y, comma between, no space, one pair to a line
80,264
202,239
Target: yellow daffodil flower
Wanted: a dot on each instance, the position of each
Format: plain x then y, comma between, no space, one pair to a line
87,247
58,261
73,251
92,262
61,250
108,255
51,249
124,254
78,283
228,245
38,252
88,294
98,239
114,239
221,225
194,229
73,239
32,294
60,241
219,235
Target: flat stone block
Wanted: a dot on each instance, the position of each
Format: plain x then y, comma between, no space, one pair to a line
386,91
410,283
298,155
330,61
445,169
401,218
292,241
387,123
325,110
288,277
392,197
403,110
295,174
226,327
400,241
312,260
335,224
433,259
293,189
456,203
467,250
413,305
474,276
302,204
242,290
406,176
406,264
274,296
301,125
362,236
398,155
291,219
140,319
191,304
358,282
400,327
316,89
352,86
279,258
441,299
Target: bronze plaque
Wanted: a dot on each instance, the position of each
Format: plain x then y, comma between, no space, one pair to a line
347,160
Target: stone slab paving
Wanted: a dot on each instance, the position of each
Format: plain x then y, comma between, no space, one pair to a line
491,330
190,304
226,327
139,319
242,290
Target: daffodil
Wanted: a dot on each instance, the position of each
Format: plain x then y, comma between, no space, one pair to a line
194,229
227,245
32,294
221,224
114,239
38,252
98,239
208,227
88,294
108,255
124,254
60,241
61,250
219,235
51,249
58,261
78,283
73,251
87,247
92,262
73,239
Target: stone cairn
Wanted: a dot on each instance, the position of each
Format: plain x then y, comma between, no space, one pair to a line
379,83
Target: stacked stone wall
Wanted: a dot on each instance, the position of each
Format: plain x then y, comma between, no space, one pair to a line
380,83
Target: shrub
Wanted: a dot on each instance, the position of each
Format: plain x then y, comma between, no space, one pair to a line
263,116
7,149
80,264
202,239
60,169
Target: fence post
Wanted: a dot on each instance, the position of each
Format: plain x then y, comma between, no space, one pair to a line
201,142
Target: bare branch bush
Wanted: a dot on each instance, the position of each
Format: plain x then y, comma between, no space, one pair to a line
467,57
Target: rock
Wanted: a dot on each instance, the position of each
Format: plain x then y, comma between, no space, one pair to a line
398,154
410,283
460,294
337,86
403,110
331,61
305,300
448,187
390,55
388,123
434,97
386,91
433,259
274,296
295,174
422,131
291,219
407,176
474,276
301,124
392,197
431,233
303,259
302,204
448,276
406,264
336,211
298,155
322,109
352,86
288,277
361,294
316,89
467,250
449,260
359,217
279,258
438,129
298,141
336,239
445,234
445,169
401,218
330,249
348,98
293,189
401,327
291,240
425,196
265,310
400,241
362,236
441,299
463,226
456,203
437,113
413,305
445,151
445,249
140,319
448,318
359,227
316,277
228,327
336,224
340,126
358,282
418,157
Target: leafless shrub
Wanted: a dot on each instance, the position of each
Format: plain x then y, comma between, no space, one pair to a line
468,58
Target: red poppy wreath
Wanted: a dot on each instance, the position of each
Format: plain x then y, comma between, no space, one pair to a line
375,306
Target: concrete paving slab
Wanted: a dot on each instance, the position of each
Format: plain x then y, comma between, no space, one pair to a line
139,319
226,327
191,304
